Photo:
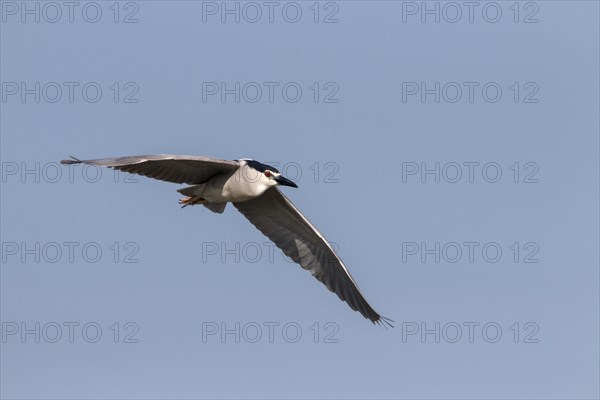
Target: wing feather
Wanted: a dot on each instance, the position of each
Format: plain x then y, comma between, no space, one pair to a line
278,219
191,170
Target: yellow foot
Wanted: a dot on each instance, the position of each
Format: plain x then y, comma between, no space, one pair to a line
190,201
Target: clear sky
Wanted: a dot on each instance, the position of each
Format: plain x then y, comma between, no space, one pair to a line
454,164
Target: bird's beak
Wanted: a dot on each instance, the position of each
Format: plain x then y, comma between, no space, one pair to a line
284,181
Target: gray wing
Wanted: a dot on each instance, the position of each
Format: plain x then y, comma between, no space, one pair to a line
278,219
191,170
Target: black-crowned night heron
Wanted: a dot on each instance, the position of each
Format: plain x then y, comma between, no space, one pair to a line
251,187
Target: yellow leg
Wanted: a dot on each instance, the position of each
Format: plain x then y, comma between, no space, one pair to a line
190,201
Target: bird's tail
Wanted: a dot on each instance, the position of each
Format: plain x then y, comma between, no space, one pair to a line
215,207
188,191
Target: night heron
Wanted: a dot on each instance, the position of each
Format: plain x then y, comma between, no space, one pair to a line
251,187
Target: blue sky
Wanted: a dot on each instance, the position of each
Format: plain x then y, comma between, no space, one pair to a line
454,164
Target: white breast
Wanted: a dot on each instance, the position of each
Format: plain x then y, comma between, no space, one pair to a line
245,184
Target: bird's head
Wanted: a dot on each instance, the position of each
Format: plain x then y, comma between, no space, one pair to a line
267,175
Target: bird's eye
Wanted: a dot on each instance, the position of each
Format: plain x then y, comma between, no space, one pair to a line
268,174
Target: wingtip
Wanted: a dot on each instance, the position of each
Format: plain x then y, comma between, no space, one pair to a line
384,322
73,160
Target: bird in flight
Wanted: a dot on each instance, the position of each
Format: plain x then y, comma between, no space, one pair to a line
251,187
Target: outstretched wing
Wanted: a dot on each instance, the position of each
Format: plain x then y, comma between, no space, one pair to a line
278,219
191,170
